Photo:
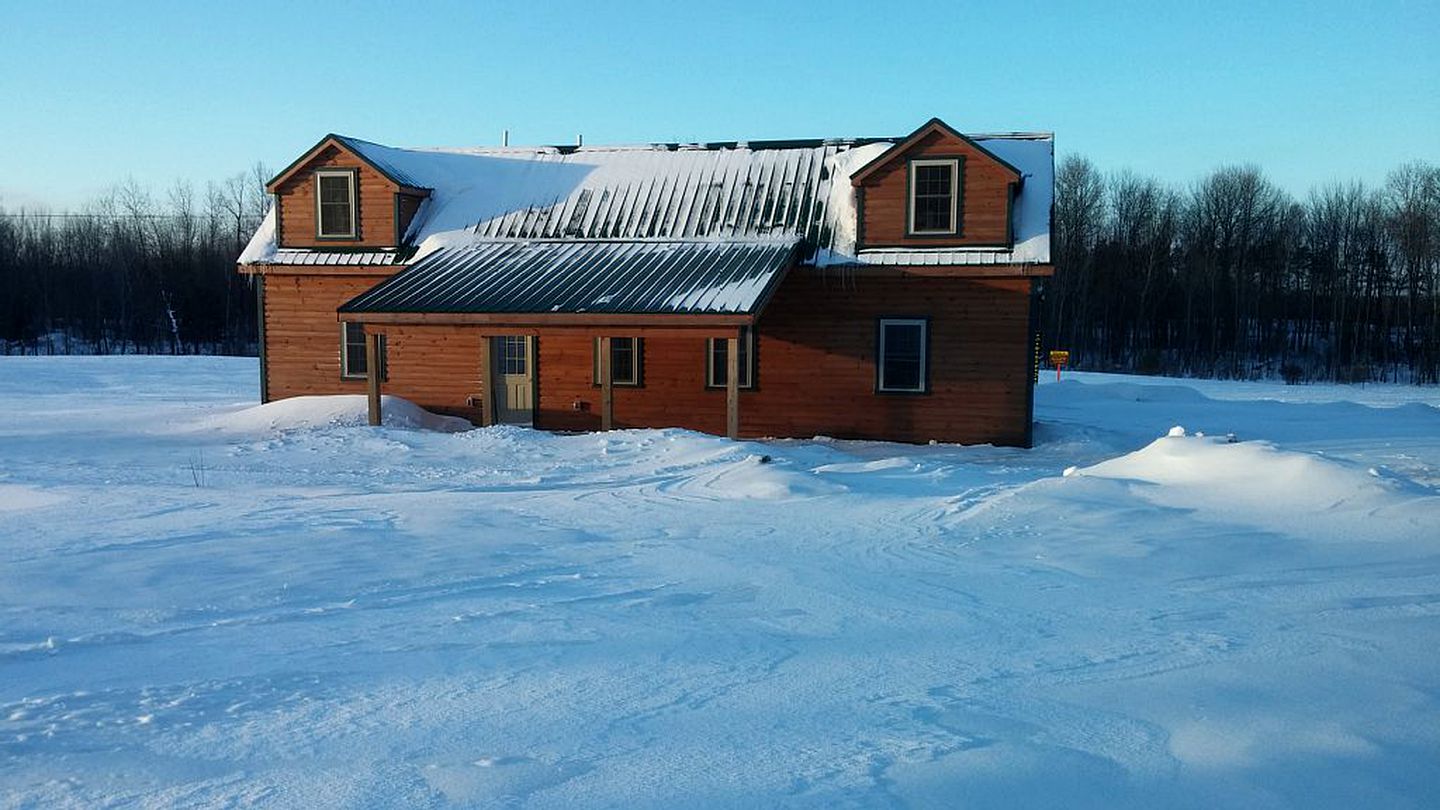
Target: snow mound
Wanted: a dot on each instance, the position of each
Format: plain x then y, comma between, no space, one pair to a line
1258,483
341,410
18,497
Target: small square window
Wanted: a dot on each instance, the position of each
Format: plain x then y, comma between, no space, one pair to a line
353,363
335,205
934,196
625,361
717,367
903,355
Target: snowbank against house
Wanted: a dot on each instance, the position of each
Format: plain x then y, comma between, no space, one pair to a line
345,410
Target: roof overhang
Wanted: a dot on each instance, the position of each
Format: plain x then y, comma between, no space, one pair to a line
671,285
544,322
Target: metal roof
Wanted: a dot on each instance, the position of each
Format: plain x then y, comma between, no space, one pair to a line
572,277
740,191
349,258
378,156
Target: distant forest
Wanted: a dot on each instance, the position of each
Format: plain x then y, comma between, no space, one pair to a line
1234,278
1228,277
133,274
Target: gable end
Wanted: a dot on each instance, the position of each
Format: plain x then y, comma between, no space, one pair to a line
930,127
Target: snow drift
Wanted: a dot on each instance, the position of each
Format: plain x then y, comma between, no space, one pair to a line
343,410
1259,484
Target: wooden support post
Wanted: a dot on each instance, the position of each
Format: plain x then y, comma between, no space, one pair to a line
732,387
607,387
487,383
372,375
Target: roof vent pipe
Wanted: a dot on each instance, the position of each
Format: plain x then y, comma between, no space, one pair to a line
505,137
580,140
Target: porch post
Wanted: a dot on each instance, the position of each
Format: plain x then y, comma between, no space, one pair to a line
607,387
487,383
372,375
732,387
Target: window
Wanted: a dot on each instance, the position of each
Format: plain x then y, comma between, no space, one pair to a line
352,352
515,358
903,361
934,194
625,360
335,205
717,356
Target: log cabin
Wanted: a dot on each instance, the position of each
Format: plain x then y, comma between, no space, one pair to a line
870,288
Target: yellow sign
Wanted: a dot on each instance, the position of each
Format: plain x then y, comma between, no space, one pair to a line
1059,358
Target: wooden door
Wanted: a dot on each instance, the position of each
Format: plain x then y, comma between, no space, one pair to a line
515,369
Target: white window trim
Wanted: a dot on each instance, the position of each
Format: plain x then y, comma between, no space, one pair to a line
637,352
345,373
319,217
923,381
506,357
749,360
954,164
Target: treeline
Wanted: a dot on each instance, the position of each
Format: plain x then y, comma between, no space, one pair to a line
133,274
1230,277
1234,278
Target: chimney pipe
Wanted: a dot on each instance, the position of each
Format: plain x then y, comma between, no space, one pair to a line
580,139
505,138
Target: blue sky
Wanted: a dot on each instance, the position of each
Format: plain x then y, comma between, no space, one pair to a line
92,93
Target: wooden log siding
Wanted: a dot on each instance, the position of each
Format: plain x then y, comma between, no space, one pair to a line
302,334
375,196
815,367
437,367
815,361
817,349
984,201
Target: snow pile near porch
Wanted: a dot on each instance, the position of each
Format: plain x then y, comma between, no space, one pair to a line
341,410
1259,484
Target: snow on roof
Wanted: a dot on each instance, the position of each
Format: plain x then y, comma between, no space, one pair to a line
694,277
741,191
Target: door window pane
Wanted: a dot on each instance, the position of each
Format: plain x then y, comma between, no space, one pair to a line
517,359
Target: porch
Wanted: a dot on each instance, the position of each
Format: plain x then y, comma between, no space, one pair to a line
558,328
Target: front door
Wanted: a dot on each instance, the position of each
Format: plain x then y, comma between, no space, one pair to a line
515,395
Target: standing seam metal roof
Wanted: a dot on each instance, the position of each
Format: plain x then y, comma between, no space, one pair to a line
735,191
572,277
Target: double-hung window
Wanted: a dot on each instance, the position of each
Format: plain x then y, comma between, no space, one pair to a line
934,196
335,204
903,356
625,361
353,363
717,354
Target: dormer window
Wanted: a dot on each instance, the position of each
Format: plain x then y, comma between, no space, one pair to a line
934,196
335,205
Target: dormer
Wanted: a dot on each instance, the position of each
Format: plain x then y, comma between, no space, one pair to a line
343,193
936,188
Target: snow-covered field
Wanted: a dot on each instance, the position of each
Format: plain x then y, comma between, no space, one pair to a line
206,605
